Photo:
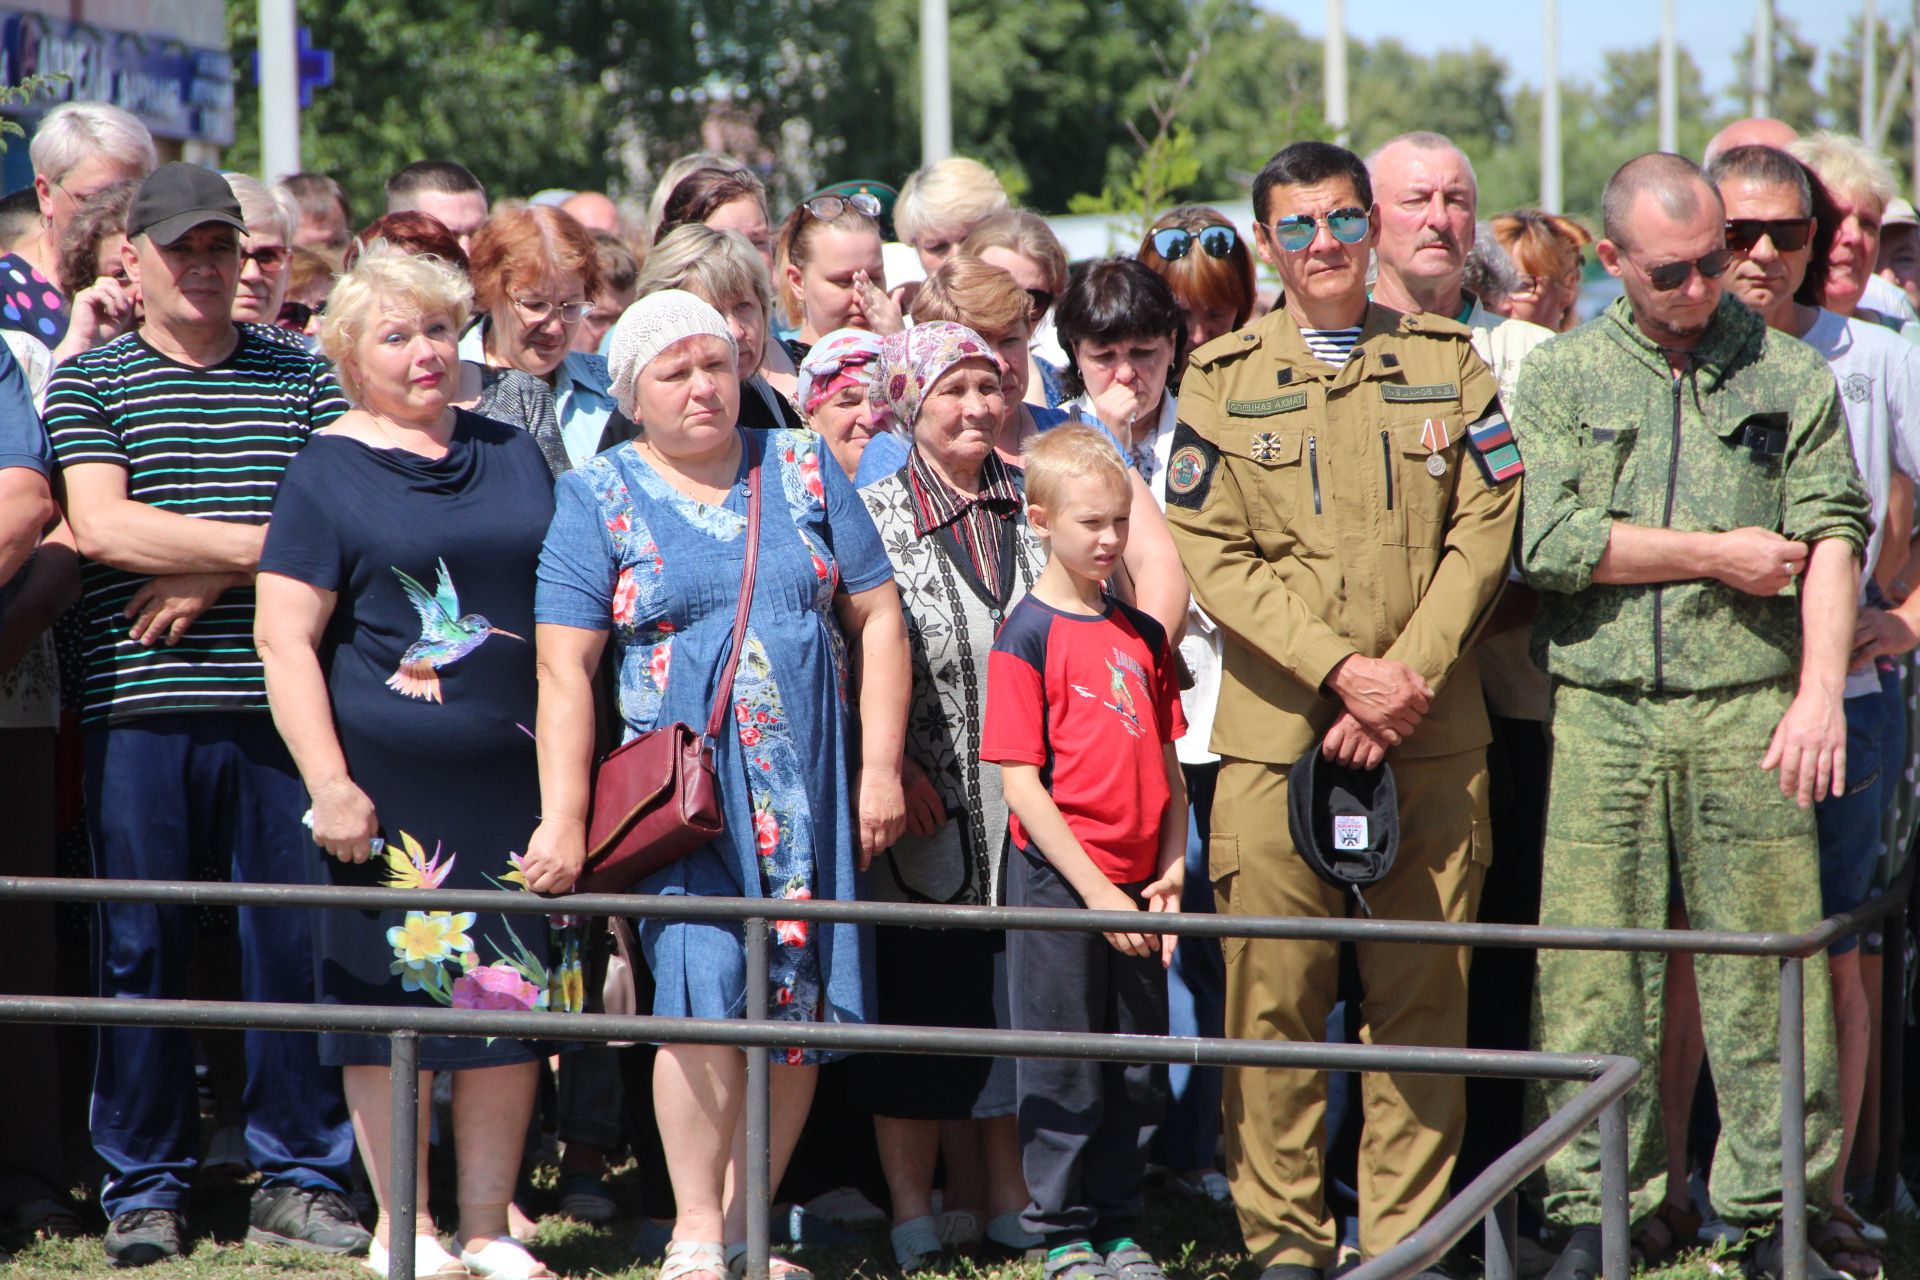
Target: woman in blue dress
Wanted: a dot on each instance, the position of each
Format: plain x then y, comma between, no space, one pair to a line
647,546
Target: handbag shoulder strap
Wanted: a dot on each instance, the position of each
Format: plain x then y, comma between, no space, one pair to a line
723,693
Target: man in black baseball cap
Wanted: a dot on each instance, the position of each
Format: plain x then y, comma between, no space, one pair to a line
178,197
171,441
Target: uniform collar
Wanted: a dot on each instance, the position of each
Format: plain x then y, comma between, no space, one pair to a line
1735,333
1282,334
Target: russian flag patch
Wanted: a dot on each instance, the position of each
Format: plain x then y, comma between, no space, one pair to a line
1495,449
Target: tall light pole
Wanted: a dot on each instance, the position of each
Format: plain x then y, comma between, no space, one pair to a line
279,90
936,91
1869,72
1669,81
1760,87
1550,108
1334,51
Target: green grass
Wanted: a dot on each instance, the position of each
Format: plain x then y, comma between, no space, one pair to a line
1193,1242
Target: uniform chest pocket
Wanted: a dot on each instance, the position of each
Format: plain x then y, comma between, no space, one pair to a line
1748,491
1418,482
1279,474
1608,457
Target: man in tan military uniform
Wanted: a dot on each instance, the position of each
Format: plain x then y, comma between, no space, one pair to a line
1343,491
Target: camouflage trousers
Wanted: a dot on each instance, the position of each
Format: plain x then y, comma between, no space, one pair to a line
1650,791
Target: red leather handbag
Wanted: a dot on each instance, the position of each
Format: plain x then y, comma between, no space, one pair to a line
656,798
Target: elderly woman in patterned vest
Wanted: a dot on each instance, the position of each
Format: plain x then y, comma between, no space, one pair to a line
953,521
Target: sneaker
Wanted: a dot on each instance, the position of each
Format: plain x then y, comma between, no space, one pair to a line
1075,1261
304,1218
142,1237
1765,1261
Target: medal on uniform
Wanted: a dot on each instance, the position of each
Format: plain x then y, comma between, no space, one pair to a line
1433,434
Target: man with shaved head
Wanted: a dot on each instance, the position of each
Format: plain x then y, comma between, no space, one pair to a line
595,212
1754,131
1694,525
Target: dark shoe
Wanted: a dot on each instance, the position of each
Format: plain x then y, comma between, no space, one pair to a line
302,1218
142,1237
1077,1261
1580,1259
1128,1261
1764,1260
1290,1271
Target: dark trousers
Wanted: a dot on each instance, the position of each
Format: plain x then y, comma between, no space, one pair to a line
1196,1000
157,791
1084,1126
32,1162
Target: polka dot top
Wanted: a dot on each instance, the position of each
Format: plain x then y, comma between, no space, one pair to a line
30,302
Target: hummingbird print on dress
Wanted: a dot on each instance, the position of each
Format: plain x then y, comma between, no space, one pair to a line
445,636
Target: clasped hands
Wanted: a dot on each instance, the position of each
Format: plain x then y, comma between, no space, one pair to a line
1385,701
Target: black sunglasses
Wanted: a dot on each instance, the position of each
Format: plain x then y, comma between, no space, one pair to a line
1174,243
1040,302
298,315
1669,276
1787,234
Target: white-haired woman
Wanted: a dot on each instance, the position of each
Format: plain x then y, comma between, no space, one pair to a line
394,617
647,550
266,250
78,148
941,204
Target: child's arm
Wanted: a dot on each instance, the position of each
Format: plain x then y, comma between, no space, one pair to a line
1164,893
1028,799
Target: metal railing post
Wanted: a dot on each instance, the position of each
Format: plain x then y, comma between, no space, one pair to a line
1793,1119
759,1106
1503,1239
1893,1058
404,1164
1614,1222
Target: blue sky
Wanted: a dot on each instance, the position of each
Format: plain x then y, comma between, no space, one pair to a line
1711,30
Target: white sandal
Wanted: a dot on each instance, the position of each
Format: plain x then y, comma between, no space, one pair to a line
693,1258
426,1249
504,1258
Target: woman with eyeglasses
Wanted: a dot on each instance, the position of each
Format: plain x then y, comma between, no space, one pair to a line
103,300
1203,259
535,273
1021,243
1547,249
833,277
271,217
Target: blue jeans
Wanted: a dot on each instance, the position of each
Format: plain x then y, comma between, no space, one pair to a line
157,790
1850,825
1196,1001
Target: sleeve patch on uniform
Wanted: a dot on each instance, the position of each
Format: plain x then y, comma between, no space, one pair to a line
1190,468
1495,449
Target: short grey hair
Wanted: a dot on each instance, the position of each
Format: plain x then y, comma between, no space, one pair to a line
1425,140
954,195
261,204
1490,270
717,265
1675,181
1766,166
1847,166
77,131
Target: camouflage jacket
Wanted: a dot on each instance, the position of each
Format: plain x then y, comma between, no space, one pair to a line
1750,435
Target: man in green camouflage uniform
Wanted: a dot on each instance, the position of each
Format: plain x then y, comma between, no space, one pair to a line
1689,466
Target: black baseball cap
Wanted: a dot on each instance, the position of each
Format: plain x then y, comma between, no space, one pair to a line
176,198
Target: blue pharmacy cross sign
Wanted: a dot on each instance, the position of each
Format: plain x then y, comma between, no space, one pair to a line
315,67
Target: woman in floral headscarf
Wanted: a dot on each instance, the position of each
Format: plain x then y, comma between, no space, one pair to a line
833,394
953,520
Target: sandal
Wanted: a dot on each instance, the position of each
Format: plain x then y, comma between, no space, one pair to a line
694,1258
917,1245
1075,1261
778,1268
1128,1261
1845,1250
430,1261
1671,1231
958,1228
504,1258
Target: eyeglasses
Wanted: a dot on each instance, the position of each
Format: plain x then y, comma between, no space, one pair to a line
1296,231
1041,302
269,257
1669,276
298,315
537,311
1174,243
1787,234
827,208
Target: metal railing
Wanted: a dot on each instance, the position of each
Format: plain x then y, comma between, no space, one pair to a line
1489,1197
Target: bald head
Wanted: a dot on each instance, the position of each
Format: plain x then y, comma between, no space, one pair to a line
593,211
1754,131
1674,183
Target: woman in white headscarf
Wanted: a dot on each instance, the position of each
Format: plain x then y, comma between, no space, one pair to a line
647,547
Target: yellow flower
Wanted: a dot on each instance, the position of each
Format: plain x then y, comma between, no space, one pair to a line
430,937
409,867
573,987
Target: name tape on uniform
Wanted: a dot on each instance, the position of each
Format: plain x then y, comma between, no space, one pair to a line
1267,408
1394,393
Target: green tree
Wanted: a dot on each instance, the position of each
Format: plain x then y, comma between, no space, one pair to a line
1843,92
1797,99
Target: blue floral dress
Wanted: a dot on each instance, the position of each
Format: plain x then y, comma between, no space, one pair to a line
629,553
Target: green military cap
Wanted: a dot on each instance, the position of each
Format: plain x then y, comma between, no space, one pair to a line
886,195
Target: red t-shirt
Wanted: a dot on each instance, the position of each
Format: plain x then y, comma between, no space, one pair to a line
1093,702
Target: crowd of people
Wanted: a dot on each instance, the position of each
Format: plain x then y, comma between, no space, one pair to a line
1396,585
